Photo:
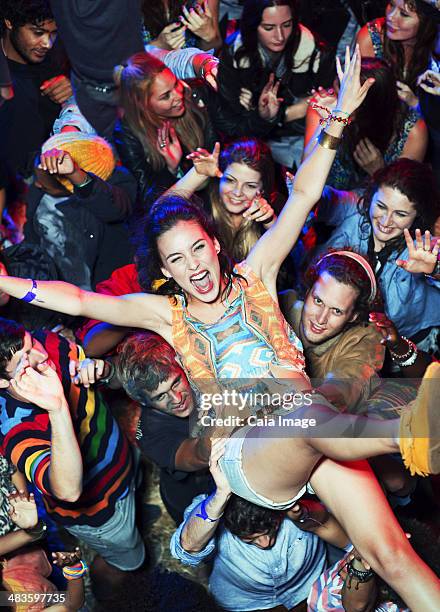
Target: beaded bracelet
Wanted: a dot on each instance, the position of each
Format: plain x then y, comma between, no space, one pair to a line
411,348
76,571
345,120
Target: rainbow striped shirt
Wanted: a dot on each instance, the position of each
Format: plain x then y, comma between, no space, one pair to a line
25,440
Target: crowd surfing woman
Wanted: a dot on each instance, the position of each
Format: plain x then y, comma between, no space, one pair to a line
162,122
265,76
400,199
382,130
405,38
207,306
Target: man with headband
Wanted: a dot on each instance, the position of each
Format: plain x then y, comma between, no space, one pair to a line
342,349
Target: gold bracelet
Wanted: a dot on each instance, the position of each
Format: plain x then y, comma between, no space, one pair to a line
328,141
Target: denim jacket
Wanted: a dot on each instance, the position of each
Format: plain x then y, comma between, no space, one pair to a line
245,577
412,301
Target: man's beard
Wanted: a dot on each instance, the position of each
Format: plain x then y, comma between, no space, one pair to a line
15,42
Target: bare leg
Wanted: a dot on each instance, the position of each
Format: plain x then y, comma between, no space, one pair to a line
353,495
292,458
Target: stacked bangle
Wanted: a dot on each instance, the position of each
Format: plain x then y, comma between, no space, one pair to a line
328,141
408,358
73,572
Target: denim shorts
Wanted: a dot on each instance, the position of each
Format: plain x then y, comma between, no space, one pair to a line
118,540
232,468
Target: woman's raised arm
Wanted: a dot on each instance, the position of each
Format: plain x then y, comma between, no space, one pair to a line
134,310
273,247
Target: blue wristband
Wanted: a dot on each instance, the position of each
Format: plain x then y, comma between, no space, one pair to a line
30,295
203,514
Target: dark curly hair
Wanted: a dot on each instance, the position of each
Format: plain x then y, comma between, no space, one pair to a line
21,12
347,271
11,340
165,213
244,519
414,180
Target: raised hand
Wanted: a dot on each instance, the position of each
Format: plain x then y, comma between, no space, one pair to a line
86,372
429,81
269,103
407,95
260,211
23,509
206,163
169,146
199,21
58,162
351,92
64,558
245,98
172,37
386,328
422,257
217,451
368,156
323,99
210,71
41,387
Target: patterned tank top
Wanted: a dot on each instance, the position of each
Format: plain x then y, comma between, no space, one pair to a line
246,342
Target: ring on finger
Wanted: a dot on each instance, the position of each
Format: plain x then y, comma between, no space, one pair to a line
162,144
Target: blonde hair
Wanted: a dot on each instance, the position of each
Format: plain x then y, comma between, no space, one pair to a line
238,242
135,81
255,155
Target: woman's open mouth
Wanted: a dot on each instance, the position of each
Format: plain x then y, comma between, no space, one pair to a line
202,282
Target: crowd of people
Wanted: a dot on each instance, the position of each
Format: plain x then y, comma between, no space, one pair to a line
226,214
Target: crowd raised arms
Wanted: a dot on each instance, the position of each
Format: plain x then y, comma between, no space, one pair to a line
220,251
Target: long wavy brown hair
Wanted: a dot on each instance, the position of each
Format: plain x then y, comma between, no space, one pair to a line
135,81
394,53
255,155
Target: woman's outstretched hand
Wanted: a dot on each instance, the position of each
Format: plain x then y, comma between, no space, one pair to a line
422,257
206,163
351,93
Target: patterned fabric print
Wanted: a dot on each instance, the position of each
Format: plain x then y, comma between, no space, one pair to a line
251,336
326,593
6,471
346,174
374,29
25,439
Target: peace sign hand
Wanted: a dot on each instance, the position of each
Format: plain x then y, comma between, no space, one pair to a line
269,103
422,257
